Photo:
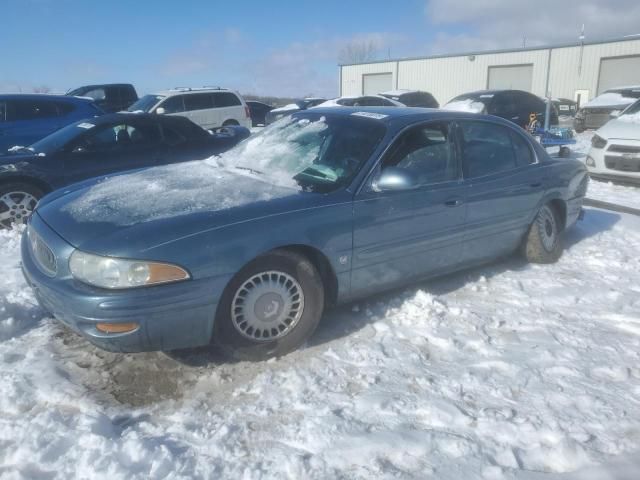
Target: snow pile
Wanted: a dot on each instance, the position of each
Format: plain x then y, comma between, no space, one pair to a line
468,105
610,99
508,371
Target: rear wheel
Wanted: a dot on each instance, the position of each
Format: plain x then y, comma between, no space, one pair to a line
17,201
228,123
270,308
543,243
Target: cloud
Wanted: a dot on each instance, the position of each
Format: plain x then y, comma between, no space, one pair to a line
504,23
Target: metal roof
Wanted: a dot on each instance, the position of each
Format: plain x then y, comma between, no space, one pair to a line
504,50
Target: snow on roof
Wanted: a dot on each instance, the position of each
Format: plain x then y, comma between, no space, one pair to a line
397,93
610,99
289,106
334,102
467,105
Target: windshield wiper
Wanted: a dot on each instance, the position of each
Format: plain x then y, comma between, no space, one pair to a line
252,170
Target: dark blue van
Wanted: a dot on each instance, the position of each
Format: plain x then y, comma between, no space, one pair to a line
26,118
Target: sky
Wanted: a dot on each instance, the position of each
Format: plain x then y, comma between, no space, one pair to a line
282,48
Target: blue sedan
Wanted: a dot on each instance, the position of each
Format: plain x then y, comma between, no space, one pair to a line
247,250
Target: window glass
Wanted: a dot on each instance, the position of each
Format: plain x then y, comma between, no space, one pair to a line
96,94
427,152
64,108
226,99
31,110
173,104
198,101
524,155
172,136
120,136
486,149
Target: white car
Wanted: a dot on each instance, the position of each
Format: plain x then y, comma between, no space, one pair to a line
361,101
207,107
615,147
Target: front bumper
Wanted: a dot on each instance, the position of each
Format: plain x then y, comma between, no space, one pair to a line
610,162
173,316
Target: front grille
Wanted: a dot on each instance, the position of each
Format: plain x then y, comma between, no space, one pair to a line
624,149
44,257
622,164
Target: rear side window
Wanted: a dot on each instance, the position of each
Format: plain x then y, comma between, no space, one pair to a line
96,94
427,153
173,104
127,95
524,155
64,108
31,110
486,149
172,136
198,101
226,99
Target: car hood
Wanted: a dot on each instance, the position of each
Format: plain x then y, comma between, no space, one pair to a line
620,128
138,211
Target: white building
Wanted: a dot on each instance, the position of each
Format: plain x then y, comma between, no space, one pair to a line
579,71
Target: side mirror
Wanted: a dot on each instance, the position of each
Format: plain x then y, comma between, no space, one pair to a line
394,179
160,111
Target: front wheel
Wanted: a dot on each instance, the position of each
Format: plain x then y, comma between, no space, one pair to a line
17,201
543,243
270,308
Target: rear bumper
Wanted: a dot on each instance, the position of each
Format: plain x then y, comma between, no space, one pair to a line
179,315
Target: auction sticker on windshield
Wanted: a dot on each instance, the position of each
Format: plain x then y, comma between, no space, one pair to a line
378,116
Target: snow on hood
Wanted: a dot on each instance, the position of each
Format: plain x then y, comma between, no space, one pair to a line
610,99
625,127
467,105
630,118
290,106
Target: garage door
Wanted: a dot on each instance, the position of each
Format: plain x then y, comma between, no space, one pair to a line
373,83
619,72
511,77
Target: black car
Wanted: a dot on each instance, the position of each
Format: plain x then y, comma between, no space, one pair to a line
565,107
516,106
413,98
110,97
278,113
258,111
99,146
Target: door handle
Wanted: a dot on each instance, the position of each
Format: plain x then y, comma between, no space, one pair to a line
453,203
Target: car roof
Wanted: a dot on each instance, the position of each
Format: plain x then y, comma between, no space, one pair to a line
46,96
189,90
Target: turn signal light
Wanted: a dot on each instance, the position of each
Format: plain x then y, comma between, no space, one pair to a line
116,327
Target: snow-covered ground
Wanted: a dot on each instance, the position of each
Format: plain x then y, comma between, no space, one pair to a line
507,371
628,196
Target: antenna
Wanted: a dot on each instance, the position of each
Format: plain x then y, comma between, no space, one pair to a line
524,41
581,37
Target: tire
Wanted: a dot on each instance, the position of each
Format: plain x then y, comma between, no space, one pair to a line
543,243
281,294
17,201
228,123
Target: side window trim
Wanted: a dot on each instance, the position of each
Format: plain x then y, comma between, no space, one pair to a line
375,168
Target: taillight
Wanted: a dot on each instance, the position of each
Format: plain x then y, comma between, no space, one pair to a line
247,112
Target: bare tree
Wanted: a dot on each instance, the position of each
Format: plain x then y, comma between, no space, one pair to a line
359,51
41,89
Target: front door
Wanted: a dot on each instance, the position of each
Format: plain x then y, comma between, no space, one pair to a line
406,234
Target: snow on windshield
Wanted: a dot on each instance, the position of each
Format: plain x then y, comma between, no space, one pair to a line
467,105
280,151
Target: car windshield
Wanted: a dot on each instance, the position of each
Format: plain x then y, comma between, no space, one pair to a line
59,138
633,109
314,152
145,104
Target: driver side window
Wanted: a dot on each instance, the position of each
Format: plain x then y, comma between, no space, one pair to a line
121,136
427,153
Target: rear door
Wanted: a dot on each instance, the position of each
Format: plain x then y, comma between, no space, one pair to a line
200,110
113,148
504,184
29,120
399,235
228,108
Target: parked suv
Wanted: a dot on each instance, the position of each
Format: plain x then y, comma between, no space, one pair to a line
516,106
110,97
26,118
207,107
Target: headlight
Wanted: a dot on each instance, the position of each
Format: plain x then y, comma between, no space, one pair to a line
116,273
598,142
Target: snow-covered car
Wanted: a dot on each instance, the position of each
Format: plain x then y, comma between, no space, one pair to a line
361,101
615,148
595,113
281,112
248,248
412,98
517,106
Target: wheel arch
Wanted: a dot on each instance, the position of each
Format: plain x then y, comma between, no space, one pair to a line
560,207
37,182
